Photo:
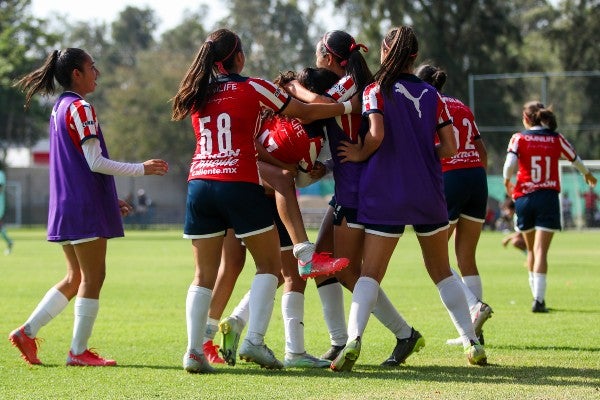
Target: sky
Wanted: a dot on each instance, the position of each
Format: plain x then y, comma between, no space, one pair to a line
169,12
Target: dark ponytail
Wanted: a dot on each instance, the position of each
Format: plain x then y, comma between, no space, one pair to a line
435,76
215,55
537,114
58,65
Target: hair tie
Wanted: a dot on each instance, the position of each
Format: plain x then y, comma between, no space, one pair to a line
220,67
355,46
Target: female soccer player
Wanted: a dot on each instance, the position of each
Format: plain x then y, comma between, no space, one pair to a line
466,192
402,184
339,52
281,141
535,152
84,211
224,189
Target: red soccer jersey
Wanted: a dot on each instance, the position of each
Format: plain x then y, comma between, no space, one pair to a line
287,140
539,151
343,90
465,132
227,125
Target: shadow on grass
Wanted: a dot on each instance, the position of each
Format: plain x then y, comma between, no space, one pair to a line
552,310
492,374
545,348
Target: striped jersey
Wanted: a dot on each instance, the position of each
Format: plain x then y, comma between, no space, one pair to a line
465,133
539,150
227,126
342,91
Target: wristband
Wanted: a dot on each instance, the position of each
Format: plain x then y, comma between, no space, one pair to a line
347,107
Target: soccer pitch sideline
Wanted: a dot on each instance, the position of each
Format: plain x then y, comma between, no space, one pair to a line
142,325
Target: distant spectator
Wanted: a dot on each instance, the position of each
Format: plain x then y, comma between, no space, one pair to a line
591,208
142,208
567,213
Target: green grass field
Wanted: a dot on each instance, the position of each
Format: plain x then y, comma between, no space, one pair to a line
142,325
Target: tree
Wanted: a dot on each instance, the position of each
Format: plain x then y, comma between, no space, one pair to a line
133,31
274,34
137,119
188,36
575,37
24,43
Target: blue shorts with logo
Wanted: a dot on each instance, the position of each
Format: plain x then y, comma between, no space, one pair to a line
349,214
539,209
214,206
466,193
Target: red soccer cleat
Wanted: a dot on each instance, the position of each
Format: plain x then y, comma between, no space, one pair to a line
89,358
211,351
26,345
321,264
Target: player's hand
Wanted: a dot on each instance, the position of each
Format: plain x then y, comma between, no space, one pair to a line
318,171
156,167
351,151
125,208
590,179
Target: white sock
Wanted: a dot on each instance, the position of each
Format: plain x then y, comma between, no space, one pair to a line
304,251
242,310
86,311
197,304
262,299
531,284
364,298
52,304
473,282
332,302
292,309
472,300
387,314
539,286
454,299
212,327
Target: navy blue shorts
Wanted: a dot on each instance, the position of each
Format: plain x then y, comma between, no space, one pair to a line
350,214
214,206
538,210
398,230
466,194
285,241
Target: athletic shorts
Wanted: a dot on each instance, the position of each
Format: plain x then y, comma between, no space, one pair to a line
538,210
466,194
398,230
213,206
78,241
285,241
350,214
